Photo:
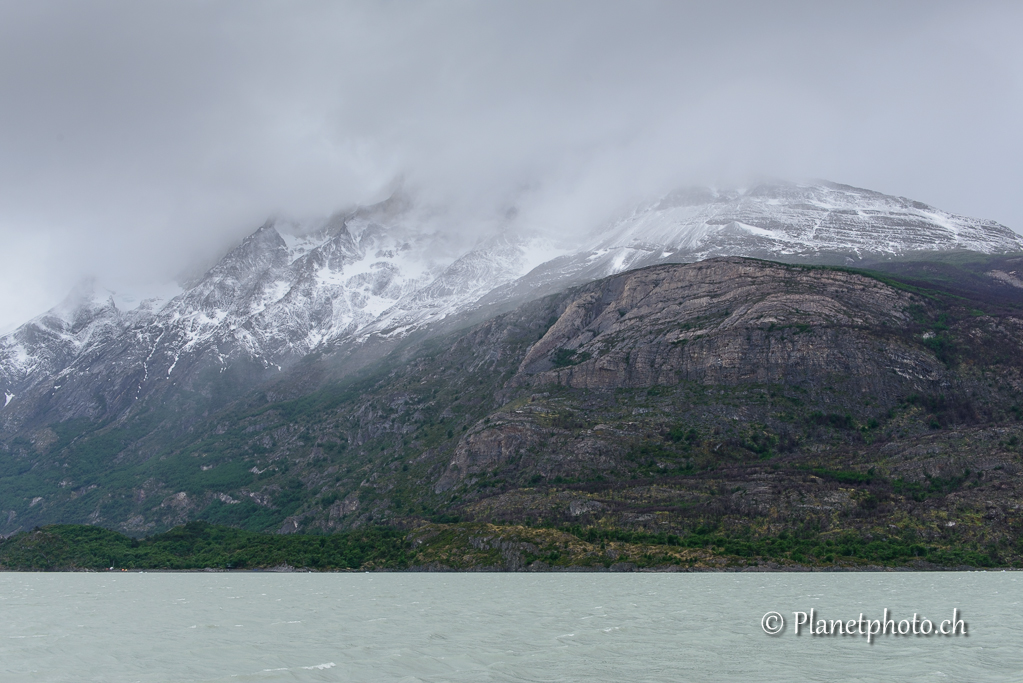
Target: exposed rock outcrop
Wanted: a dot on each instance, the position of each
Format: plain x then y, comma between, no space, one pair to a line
718,322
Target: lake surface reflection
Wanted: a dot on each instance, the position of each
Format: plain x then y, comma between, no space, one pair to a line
499,627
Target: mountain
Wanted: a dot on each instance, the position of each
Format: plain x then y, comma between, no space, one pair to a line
822,223
756,409
373,368
286,291
801,221
357,284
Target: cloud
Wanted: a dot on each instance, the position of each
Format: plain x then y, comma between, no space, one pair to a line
137,139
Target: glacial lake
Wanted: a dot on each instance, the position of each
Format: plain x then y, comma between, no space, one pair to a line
248,627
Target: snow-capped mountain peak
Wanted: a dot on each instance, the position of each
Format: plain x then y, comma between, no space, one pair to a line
803,220
290,289
818,222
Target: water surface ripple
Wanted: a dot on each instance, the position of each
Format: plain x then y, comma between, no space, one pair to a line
551,628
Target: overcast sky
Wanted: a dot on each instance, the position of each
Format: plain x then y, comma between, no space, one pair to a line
137,138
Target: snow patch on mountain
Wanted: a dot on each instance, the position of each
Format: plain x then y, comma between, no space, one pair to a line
803,219
387,270
86,319
812,222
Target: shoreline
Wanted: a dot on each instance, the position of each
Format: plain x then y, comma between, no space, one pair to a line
549,570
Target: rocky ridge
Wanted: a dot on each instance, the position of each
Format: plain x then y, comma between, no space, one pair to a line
364,280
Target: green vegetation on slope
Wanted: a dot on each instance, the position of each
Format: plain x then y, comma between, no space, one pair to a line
470,546
812,548
198,545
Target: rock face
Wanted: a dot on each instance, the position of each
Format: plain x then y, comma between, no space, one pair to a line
845,340
490,447
710,323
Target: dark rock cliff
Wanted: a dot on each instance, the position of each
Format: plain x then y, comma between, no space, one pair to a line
731,321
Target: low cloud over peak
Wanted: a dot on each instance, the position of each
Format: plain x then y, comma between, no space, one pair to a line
136,141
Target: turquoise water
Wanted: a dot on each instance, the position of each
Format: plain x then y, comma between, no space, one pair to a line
498,627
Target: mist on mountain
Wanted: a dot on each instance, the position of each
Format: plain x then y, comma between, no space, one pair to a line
140,142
